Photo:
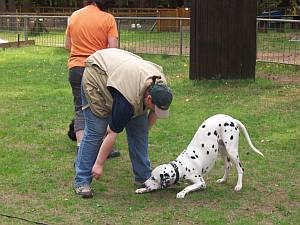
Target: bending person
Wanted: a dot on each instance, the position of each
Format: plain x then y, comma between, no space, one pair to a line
119,90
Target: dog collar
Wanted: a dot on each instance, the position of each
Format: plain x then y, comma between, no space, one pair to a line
176,171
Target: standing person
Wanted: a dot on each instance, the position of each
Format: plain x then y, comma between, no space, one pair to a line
89,29
119,90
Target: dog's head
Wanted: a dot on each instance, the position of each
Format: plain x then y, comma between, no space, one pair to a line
161,177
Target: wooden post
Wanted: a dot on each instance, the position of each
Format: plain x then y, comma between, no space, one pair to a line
223,39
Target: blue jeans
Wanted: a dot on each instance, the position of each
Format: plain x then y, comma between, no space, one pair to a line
95,130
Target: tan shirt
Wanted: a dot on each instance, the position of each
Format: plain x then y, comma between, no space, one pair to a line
122,70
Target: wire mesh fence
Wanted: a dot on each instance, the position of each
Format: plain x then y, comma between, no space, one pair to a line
277,40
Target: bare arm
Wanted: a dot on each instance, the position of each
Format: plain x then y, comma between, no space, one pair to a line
151,119
104,151
68,43
112,42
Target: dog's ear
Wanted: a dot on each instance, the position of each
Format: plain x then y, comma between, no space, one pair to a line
164,180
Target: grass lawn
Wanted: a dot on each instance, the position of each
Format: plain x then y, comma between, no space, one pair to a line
36,157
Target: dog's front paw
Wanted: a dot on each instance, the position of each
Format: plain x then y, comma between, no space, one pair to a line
221,181
180,195
141,190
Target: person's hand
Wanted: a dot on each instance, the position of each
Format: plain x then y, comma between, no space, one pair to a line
97,171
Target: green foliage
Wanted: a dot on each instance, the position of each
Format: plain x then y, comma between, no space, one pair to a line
36,157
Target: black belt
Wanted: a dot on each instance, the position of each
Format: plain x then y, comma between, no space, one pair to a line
176,171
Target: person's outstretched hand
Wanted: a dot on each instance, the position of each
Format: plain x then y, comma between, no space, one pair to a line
97,171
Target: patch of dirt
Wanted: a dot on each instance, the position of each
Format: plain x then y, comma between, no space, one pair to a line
283,79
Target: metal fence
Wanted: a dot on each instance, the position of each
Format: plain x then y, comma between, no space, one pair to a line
277,40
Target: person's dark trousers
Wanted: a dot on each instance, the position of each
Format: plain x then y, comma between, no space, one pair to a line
75,77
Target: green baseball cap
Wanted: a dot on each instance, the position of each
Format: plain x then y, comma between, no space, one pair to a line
161,97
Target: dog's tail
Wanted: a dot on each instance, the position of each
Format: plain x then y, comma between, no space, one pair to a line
241,125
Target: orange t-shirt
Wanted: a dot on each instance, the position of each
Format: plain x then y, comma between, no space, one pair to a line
89,29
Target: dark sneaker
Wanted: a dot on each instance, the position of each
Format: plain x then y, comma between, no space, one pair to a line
84,191
114,153
71,132
139,184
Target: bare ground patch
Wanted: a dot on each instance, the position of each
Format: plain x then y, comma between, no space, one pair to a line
283,79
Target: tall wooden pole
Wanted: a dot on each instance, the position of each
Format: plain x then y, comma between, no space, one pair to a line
223,39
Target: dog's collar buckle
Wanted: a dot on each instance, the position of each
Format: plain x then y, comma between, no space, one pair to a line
176,171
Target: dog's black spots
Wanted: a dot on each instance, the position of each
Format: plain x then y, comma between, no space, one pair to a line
186,169
231,137
232,124
199,175
228,167
208,133
193,157
225,130
189,170
236,128
173,175
237,156
219,124
193,168
196,176
216,150
226,124
172,171
225,142
197,156
206,168
203,126
215,133
240,164
202,145
243,169
194,151
228,159
207,152
183,176
213,146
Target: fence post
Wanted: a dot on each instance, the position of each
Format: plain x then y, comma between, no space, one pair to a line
181,39
119,33
26,29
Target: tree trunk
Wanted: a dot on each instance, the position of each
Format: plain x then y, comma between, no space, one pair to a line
12,6
27,6
2,6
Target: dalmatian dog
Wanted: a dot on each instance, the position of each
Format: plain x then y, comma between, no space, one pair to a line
218,135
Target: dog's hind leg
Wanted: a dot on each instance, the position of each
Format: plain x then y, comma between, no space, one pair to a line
200,184
227,163
232,151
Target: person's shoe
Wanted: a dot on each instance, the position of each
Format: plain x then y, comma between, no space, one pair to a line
84,191
114,153
71,133
139,184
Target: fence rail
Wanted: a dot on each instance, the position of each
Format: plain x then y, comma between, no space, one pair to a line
277,40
